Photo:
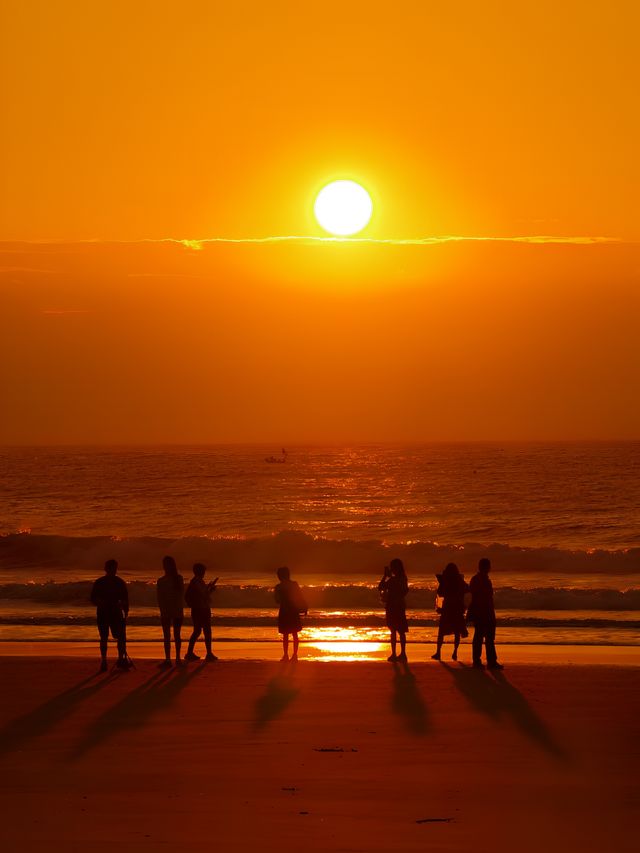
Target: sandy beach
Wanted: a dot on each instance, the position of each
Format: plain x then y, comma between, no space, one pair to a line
367,756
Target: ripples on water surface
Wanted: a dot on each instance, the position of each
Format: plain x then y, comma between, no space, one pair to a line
584,495
336,514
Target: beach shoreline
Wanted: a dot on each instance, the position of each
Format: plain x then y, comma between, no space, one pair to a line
330,652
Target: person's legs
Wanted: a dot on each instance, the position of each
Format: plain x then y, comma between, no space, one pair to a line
103,631
394,642
456,643
490,644
403,645
119,633
439,646
166,637
177,637
295,646
285,647
197,629
206,628
478,637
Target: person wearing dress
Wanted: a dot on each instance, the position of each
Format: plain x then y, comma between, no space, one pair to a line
452,588
289,597
170,591
393,588
198,597
482,614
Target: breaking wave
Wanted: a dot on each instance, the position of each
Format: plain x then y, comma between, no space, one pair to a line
338,597
304,553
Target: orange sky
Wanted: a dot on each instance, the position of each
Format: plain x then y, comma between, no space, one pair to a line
133,121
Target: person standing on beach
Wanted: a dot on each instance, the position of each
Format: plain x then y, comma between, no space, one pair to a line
110,596
452,587
289,596
170,591
483,616
393,588
198,597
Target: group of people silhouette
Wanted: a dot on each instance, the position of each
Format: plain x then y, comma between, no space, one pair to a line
451,605
111,599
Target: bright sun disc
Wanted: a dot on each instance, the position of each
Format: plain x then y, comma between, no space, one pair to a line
343,208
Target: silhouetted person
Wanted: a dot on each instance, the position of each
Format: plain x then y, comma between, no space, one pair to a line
394,587
289,596
109,594
170,590
483,616
198,597
452,587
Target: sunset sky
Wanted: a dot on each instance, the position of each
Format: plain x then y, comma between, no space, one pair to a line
130,127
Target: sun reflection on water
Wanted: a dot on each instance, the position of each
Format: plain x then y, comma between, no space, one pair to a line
334,643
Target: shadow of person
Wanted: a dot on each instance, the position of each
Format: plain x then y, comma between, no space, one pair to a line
523,715
407,700
38,721
497,697
132,711
279,694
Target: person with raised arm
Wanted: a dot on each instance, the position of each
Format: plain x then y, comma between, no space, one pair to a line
393,588
198,597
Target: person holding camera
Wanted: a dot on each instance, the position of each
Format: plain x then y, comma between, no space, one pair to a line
198,597
393,588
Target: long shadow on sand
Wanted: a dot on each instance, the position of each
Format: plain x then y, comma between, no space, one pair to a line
131,712
279,694
497,697
407,700
38,721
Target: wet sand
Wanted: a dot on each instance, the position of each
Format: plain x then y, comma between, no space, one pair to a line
250,755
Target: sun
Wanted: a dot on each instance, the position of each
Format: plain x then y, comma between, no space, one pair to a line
343,208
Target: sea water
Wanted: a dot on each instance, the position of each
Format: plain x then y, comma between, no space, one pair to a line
559,521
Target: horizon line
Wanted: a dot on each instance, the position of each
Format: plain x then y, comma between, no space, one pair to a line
197,244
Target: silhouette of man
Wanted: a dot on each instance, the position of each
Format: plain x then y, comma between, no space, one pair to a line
198,597
483,615
110,596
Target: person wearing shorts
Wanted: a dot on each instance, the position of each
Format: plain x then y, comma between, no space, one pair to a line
110,596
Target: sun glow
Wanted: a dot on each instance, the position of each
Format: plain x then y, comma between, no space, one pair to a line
343,208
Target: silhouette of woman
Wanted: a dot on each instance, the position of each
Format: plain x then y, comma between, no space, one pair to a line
452,587
170,591
394,587
289,596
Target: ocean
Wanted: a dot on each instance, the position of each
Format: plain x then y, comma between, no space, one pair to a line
559,521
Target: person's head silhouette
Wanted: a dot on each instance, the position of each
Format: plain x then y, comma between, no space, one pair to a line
169,566
111,567
199,569
484,566
397,567
283,573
